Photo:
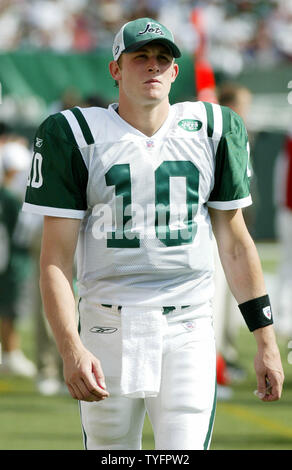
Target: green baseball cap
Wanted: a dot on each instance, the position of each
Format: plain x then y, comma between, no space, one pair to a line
137,33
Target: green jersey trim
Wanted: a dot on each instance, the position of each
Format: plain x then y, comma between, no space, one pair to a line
83,125
226,119
211,421
59,175
210,118
229,205
76,130
64,125
231,184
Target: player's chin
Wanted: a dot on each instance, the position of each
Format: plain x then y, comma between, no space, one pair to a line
152,97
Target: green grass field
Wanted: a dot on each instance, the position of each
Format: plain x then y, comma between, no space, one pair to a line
30,421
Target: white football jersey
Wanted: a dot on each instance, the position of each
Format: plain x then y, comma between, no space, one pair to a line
145,236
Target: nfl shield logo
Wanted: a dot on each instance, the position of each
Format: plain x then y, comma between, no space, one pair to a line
150,144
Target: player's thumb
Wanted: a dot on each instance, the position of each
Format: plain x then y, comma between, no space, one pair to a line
261,389
98,374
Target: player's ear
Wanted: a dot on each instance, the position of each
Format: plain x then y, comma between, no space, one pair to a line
175,71
115,70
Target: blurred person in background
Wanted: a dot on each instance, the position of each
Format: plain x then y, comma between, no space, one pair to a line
14,256
283,202
69,98
227,323
236,97
4,135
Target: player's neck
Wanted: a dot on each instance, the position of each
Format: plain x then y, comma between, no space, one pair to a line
147,119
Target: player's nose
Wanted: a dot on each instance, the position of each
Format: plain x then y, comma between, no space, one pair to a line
153,65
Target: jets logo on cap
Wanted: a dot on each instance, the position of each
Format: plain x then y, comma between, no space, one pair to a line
151,28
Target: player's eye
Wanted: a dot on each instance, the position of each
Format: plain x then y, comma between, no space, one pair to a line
164,58
141,56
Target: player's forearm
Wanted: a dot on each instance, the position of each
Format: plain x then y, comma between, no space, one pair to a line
59,305
265,337
243,271
245,276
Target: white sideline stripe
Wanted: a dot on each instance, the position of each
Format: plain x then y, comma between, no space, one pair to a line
229,205
76,129
52,211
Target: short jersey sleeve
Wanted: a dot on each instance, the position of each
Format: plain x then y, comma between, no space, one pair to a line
231,188
58,177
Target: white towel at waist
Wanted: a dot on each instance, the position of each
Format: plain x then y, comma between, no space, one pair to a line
142,333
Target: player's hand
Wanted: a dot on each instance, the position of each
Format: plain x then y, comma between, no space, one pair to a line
84,376
269,372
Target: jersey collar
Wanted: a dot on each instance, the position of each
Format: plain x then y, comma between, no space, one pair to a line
122,123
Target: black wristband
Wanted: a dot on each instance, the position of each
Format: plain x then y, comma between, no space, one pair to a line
257,313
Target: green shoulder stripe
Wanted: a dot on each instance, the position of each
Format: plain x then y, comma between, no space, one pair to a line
64,125
226,120
210,118
83,125
231,175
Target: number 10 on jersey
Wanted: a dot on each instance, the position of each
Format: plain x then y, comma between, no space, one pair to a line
120,177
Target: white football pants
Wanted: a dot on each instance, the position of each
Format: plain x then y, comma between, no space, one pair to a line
182,414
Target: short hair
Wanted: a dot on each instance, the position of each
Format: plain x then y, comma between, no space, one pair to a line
119,62
227,93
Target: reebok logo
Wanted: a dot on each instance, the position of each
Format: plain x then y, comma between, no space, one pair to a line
190,125
152,28
104,330
38,142
189,325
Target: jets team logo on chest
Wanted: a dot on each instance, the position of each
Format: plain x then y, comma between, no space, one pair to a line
190,125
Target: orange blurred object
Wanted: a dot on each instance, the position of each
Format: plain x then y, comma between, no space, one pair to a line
203,73
222,372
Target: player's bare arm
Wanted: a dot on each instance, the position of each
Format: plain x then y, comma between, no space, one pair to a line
82,370
244,275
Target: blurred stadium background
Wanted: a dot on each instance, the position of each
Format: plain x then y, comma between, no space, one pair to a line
54,55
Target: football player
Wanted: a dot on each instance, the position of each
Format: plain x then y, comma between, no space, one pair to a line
139,188
15,259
